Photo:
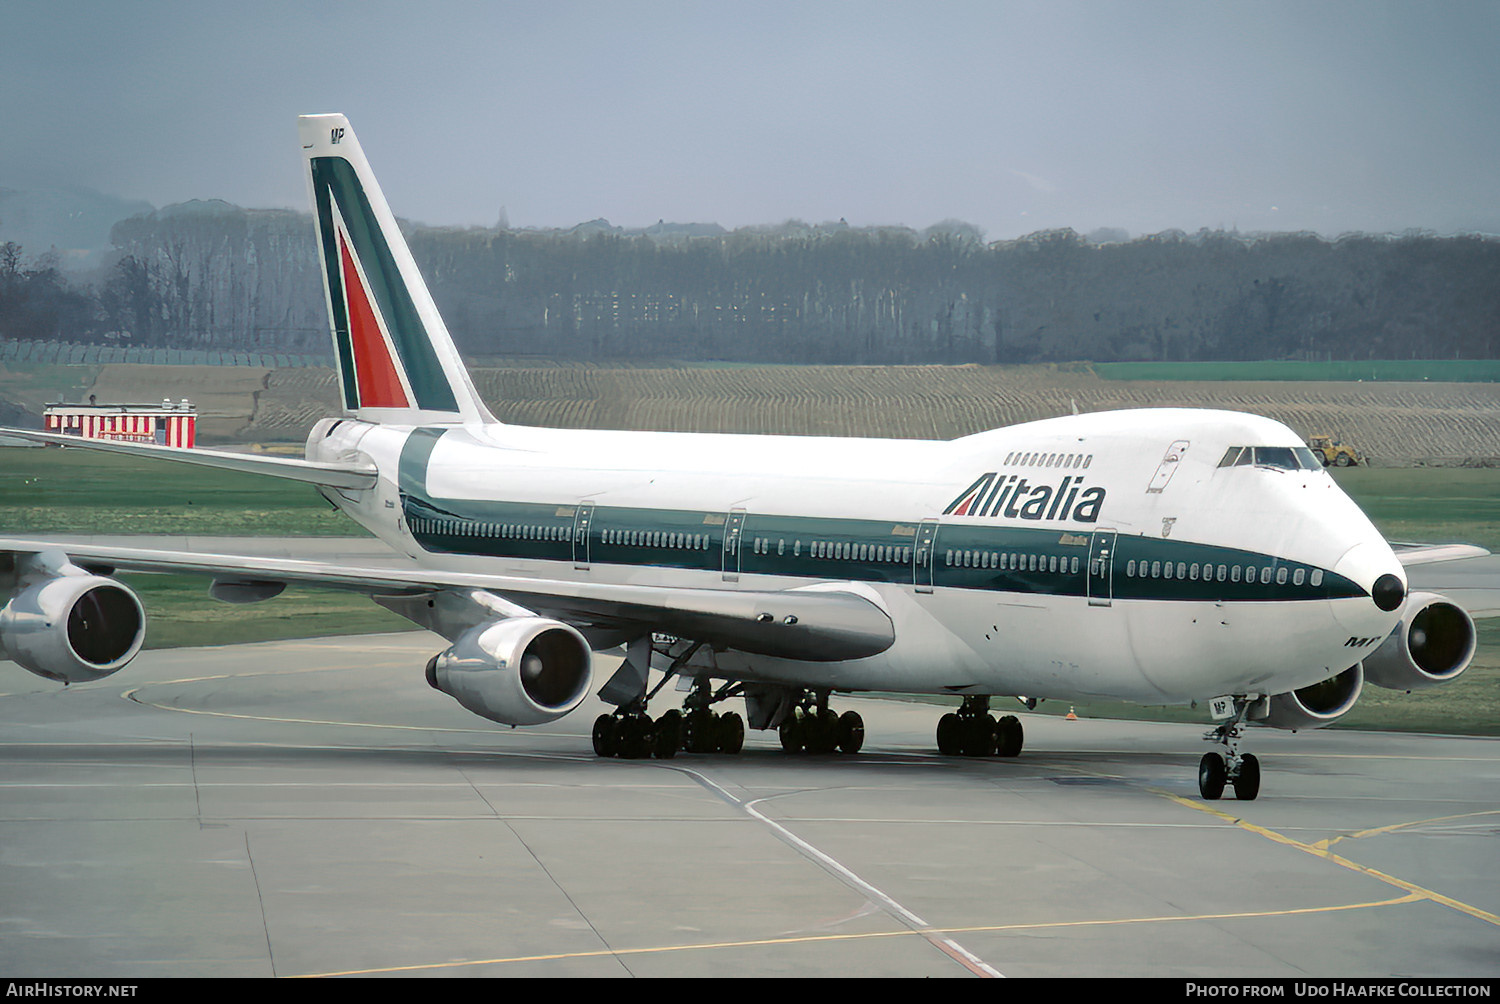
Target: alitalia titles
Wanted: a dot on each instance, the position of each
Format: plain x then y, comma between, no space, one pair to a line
1015,497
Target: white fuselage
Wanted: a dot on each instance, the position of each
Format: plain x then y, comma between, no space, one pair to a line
1163,577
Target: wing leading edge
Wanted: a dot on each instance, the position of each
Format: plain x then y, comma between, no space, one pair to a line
807,624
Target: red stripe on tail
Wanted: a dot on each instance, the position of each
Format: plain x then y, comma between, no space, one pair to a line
374,369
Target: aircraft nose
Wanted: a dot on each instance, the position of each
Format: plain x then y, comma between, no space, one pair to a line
1372,566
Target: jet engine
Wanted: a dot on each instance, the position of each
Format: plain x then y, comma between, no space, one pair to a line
73,628
1433,644
1315,705
515,671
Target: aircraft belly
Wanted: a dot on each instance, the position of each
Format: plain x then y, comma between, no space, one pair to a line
1192,651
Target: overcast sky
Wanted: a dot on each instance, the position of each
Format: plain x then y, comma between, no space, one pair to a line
1322,115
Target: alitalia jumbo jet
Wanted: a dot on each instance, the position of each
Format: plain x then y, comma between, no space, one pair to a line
1154,556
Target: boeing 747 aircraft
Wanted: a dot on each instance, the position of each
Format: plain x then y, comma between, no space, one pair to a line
1154,556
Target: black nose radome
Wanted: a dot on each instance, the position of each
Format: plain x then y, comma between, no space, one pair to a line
1388,593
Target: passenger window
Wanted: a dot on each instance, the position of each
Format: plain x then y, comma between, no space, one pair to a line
1181,570
1234,573
1156,569
1317,577
1265,575
1281,576
1223,572
1298,576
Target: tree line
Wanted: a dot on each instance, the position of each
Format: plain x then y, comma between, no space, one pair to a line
211,275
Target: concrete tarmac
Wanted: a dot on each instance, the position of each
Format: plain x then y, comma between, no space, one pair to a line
312,808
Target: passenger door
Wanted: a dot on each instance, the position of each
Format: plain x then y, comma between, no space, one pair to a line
1101,581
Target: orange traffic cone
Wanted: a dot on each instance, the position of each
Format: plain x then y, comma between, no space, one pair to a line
1070,716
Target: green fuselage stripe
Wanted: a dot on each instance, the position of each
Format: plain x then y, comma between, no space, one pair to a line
965,555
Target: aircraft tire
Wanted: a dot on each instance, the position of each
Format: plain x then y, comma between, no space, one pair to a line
1010,736
851,732
636,737
791,734
1247,781
731,733
1211,776
979,736
668,739
606,742
949,728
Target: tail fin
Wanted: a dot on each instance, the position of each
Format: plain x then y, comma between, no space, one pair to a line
396,361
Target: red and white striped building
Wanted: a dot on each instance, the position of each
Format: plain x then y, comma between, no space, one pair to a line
166,424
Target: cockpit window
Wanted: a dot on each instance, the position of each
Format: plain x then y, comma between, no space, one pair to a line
1286,458
1276,456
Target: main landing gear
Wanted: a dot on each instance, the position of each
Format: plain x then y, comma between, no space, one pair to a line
1227,765
973,731
813,727
631,734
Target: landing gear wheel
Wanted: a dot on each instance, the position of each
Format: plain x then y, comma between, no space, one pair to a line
823,732
851,732
949,734
731,733
1009,736
979,736
790,733
606,742
668,738
1211,776
1247,781
636,737
700,731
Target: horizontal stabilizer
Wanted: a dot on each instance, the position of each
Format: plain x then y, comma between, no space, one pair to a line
350,476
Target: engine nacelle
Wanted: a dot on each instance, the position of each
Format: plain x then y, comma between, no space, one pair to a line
516,671
1317,704
1433,644
73,628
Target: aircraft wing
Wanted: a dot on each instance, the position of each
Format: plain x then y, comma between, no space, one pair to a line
808,623
1464,574
351,476
1427,554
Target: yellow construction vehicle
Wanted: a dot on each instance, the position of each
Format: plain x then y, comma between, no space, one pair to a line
1331,451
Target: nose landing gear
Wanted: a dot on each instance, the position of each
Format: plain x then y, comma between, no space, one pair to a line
1227,765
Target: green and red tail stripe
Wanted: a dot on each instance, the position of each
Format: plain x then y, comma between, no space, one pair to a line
394,354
